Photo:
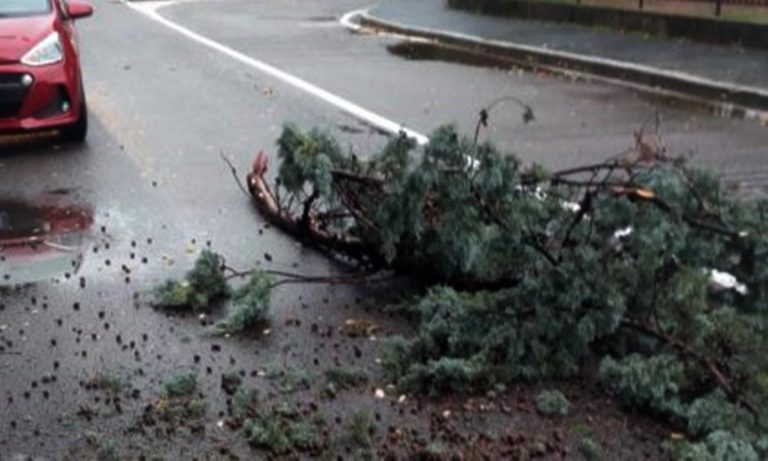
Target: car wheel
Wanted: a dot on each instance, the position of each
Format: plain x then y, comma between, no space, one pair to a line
78,130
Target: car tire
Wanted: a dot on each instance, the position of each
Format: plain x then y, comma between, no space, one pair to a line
77,131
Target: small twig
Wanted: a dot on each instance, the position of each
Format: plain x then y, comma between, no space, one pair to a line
235,273
292,277
333,215
584,208
368,180
278,199
531,241
482,121
354,279
485,112
304,221
590,183
586,169
234,174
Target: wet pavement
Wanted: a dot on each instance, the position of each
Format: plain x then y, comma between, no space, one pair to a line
577,121
41,241
729,64
149,190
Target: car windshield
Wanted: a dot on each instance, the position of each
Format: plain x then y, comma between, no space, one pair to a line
23,7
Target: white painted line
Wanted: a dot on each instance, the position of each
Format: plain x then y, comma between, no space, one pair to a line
150,9
347,22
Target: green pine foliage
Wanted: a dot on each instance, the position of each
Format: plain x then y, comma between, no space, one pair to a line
714,412
552,403
281,432
251,304
590,449
717,446
524,287
181,385
288,379
359,429
181,404
357,437
244,402
203,284
342,379
307,159
652,382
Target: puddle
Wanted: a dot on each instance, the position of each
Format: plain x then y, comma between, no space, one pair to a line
425,51
41,241
322,19
320,22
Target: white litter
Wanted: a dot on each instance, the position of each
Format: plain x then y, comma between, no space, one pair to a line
725,281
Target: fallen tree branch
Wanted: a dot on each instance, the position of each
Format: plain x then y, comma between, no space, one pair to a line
686,350
308,230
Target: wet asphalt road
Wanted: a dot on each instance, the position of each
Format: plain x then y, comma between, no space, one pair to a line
163,108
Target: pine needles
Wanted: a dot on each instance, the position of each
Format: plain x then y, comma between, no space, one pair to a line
642,259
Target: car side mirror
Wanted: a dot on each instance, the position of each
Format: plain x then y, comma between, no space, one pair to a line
78,9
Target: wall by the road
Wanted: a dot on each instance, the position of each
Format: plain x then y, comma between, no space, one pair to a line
665,25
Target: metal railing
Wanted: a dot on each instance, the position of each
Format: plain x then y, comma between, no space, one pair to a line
717,4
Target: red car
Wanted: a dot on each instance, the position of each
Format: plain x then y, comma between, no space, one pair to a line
40,78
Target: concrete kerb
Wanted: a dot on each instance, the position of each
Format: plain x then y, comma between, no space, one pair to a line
723,98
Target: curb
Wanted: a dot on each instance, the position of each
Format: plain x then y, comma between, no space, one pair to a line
738,101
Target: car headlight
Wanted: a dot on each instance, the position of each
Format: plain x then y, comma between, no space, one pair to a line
48,51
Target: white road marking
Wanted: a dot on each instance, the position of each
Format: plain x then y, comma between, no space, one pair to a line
150,9
347,22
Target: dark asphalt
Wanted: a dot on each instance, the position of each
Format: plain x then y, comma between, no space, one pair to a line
163,109
576,123
730,64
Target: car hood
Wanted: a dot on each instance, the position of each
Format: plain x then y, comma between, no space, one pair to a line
19,35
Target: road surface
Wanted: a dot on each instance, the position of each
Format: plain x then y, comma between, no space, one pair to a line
165,106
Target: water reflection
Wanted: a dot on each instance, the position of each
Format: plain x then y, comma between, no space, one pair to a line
427,51
41,241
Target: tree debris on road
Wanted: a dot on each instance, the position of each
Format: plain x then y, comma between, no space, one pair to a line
532,271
